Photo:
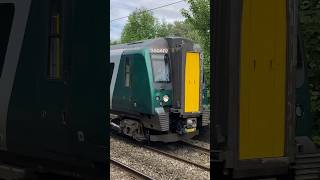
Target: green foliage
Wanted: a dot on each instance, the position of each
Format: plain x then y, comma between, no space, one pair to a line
114,42
141,25
198,16
316,140
162,29
183,29
310,27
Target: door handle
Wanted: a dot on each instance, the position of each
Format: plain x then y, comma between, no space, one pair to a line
63,117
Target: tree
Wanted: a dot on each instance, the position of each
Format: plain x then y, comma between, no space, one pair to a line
183,29
198,16
141,25
162,29
310,28
114,42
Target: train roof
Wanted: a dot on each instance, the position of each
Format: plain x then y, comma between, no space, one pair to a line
143,43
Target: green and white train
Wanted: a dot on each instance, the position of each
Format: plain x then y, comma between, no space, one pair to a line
157,89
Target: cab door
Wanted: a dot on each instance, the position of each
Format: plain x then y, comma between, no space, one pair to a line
263,79
192,82
122,96
54,85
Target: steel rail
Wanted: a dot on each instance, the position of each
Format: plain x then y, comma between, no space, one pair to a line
205,150
177,158
173,156
131,170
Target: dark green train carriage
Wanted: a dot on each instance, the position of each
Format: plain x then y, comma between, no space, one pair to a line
52,85
156,89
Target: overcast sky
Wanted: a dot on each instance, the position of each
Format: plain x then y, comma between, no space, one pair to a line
121,8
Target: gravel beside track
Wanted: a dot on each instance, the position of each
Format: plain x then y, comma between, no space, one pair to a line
136,174
153,164
117,173
187,152
179,158
198,143
204,150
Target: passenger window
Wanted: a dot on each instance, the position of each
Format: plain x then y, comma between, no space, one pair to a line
6,18
55,41
111,72
127,72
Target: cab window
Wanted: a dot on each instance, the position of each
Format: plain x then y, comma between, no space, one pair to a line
111,71
6,18
160,67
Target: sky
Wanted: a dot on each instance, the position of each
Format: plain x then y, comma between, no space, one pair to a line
121,8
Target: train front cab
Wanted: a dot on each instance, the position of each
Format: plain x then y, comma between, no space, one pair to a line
186,115
254,87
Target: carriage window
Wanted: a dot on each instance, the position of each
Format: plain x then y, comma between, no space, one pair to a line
55,49
160,66
111,71
127,72
300,55
6,18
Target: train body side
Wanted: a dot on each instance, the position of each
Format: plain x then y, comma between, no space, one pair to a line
254,86
135,97
55,112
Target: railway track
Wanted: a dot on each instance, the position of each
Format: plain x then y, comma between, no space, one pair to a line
171,155
131,170
205,150
177,158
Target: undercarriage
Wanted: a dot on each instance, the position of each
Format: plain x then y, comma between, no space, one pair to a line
179,129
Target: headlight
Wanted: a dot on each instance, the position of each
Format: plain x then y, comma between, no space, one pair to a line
157,98
191,122
165,98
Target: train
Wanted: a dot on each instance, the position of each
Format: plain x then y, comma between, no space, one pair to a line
157,89
53,95
54,92
254,73
262,117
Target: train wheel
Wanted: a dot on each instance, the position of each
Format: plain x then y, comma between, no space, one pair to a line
138,136
148,136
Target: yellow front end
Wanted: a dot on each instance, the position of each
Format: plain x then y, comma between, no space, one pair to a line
262,81
192,83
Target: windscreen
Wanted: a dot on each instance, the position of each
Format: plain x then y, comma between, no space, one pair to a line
160,67
6,17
